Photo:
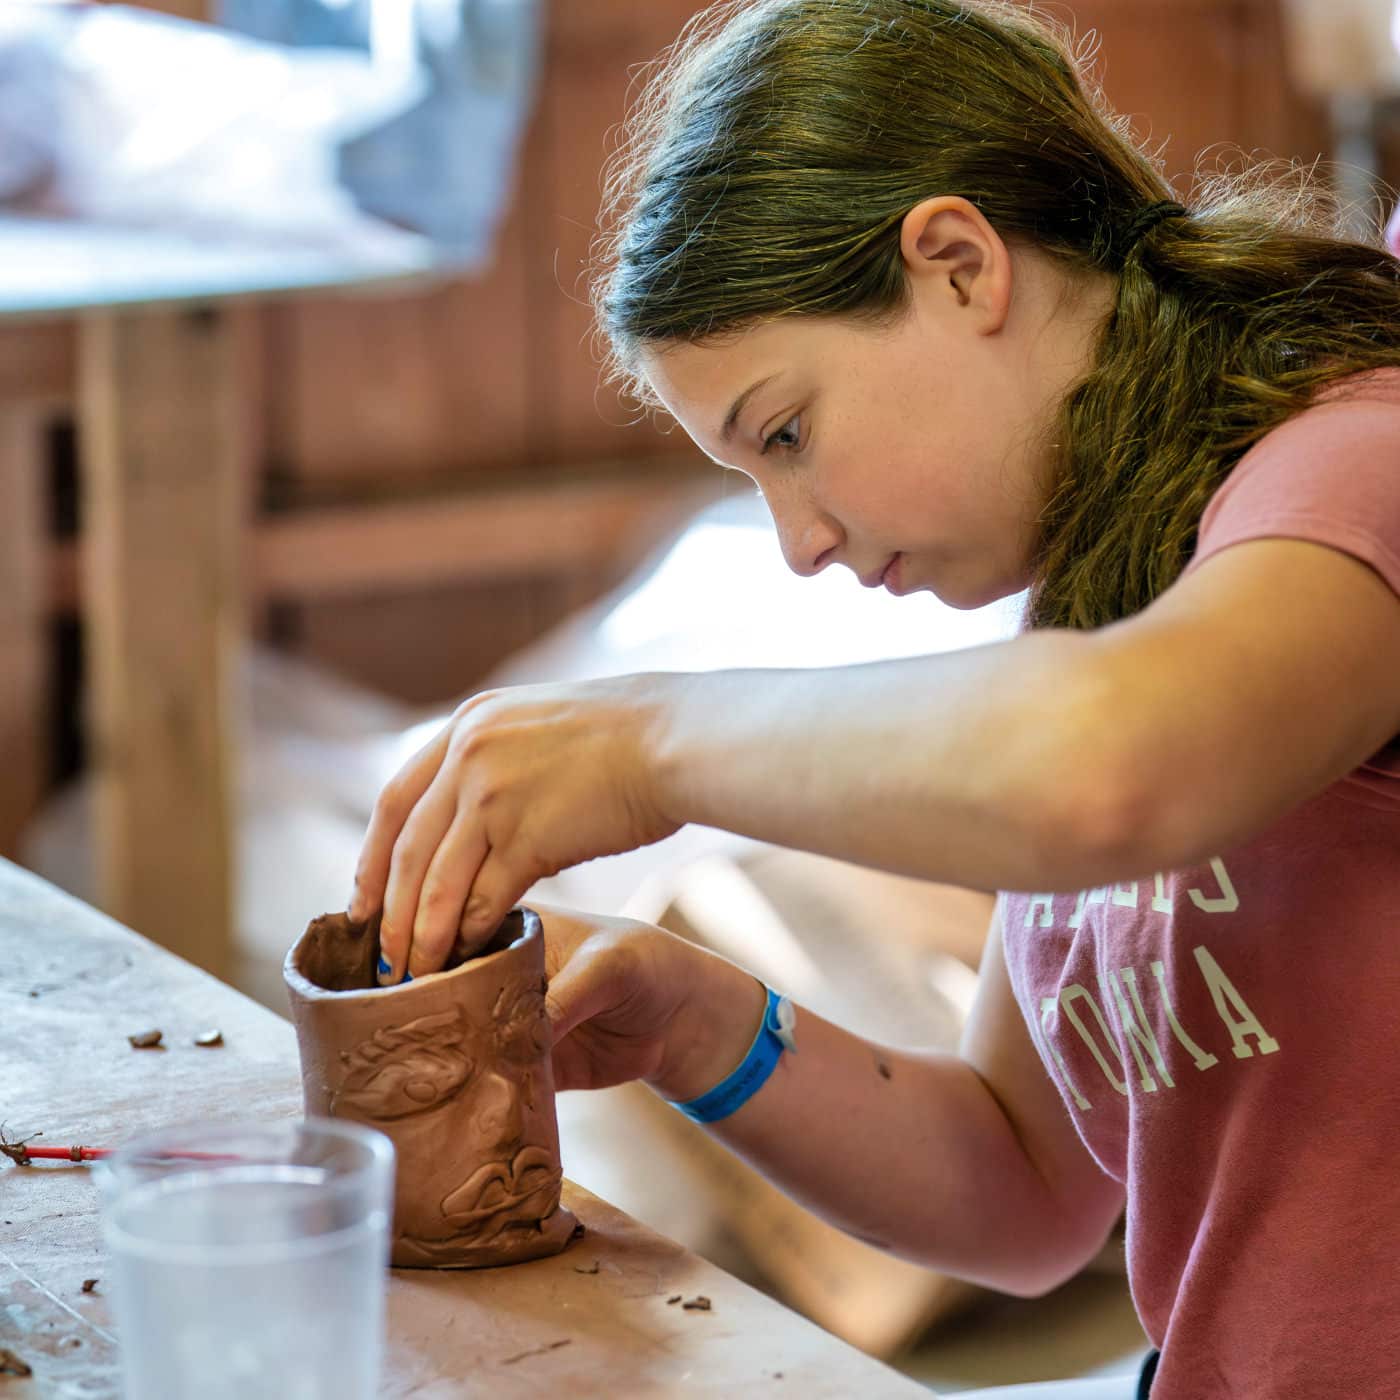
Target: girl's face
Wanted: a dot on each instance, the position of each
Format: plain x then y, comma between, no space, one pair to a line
915,453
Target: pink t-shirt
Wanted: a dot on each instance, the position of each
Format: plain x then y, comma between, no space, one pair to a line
1227,1038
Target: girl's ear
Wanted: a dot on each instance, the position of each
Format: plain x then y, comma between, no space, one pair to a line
952,253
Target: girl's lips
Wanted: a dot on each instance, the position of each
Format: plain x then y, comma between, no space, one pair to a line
890,578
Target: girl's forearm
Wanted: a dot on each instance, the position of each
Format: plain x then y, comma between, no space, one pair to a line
988,768
907,1150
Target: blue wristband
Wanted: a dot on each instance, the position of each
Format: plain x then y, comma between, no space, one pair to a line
774,1036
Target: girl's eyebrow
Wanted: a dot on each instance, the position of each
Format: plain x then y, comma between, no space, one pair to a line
737,407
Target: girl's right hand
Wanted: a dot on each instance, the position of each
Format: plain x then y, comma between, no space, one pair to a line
627,1000
518,785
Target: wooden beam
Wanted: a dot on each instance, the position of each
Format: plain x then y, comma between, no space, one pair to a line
37,365
23,738
536,531
164,508
182,9
540,530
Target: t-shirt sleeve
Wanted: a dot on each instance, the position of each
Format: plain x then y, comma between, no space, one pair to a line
1329,475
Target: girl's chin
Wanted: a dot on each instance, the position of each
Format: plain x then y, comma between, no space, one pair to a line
967,595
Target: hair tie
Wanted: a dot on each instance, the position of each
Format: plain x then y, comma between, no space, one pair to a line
1147,219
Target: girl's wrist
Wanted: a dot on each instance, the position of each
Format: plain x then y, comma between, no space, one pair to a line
713,1032
669,752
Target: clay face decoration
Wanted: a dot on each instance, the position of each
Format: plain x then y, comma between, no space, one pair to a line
455,1069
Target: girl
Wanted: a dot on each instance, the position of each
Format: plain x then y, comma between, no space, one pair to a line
895,261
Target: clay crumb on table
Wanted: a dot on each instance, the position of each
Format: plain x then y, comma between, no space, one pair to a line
146,1040
12,1365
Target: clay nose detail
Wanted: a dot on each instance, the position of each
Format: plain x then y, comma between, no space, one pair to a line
501,1117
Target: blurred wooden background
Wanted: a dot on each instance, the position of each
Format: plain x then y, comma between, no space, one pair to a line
439,476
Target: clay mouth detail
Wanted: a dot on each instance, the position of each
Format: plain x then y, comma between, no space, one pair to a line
501,1187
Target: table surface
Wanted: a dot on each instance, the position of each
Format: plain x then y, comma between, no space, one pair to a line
593,1320
52,267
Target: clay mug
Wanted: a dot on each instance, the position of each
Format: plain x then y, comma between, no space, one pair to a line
455,1069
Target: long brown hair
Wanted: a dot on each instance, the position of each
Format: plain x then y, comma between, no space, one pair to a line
775,149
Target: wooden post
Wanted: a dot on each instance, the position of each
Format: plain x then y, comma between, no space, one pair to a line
165,492
181,9
23,612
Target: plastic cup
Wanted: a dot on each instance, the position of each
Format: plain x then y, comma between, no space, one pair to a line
250,1259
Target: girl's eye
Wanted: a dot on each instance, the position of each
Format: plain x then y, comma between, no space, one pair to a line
787,438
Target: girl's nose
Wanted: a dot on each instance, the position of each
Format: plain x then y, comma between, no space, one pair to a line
809,539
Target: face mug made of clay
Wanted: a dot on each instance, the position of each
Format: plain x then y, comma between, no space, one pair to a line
455,1069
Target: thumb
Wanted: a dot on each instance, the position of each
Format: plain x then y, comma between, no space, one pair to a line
580,990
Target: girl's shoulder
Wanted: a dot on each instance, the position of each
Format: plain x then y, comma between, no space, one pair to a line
1373,386
1330,474
1340,454
1364,402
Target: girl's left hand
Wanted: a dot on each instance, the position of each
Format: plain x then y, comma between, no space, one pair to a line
519,784
628,1000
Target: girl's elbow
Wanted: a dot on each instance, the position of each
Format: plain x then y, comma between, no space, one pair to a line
1114,820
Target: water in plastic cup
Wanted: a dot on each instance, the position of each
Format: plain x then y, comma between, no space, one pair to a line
250,1260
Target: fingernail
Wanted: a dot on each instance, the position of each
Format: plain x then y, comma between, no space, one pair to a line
408,977
386,968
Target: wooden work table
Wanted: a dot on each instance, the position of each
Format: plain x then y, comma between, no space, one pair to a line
593,1320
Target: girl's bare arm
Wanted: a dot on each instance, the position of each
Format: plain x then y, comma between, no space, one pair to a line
967,1163
1056,761
1061,760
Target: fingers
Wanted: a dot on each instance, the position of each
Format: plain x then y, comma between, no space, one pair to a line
445,885
391,811
413,853
498,885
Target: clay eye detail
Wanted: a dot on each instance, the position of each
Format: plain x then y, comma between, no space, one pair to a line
403,1070
524,1029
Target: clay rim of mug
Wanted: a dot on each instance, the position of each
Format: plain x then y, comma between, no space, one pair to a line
532,927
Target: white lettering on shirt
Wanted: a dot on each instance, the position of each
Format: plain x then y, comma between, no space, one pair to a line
1223,990
1139,1030
1203,1059
1048,1007
1068,996
1136,1027
1227,901
1046,904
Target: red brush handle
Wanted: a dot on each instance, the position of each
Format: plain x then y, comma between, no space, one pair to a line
67,1154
